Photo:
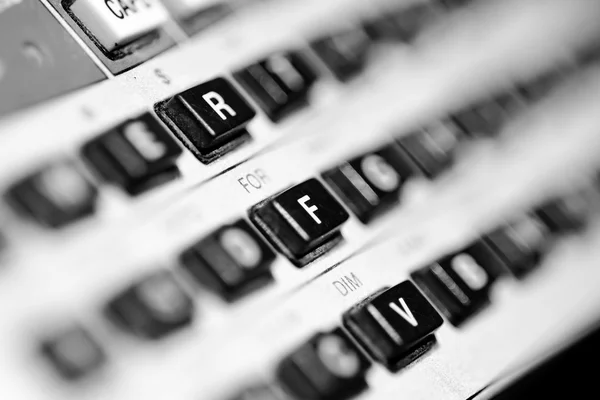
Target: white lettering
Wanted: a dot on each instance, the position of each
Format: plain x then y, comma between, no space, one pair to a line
380,173
404,312
217,103
309,209
144,141
469,271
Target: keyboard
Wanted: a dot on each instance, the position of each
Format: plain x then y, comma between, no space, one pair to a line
280,200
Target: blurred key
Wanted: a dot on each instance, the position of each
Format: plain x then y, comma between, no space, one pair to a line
401,24
115,23
459,283
327,367
154,307
136,155
485,118
566,214
520,244
345,53
279,84
73,353
233,260
432,148
56,195
372,182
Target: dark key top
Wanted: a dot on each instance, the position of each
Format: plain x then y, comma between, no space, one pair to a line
395,326
153,307
73,353
302,222
433,149
459,283
328,366
209,118
566,214
136,155
401,24
369,184
232,261
54,196
487,117
345,53
279,84
520,244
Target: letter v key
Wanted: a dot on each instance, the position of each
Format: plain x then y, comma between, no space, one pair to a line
404,312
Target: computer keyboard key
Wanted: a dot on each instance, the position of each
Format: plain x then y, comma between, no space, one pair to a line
372,182
487,117
459,284
54,196
303,222
209,118
327,367
401,24
566,214
73,353
232,261
279,84
395,325
137,155
345,53
115,23
433,148
520,244
153,307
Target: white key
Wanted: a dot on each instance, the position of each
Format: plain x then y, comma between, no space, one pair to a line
189,8
115,23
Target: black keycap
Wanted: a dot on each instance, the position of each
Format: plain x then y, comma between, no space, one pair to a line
232,261
433,149
369,184
395,326
520,244
73,353
459,283
152,307
537,88
345,53
566,214
487,117
279,84
136,155
302,222
209,119
326,367
402,24
54,196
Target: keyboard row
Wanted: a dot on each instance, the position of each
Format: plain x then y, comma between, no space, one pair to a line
391,327
123,33
210,120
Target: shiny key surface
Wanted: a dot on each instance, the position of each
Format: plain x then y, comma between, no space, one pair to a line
302,222
136,155
209,118
116,23
394,325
